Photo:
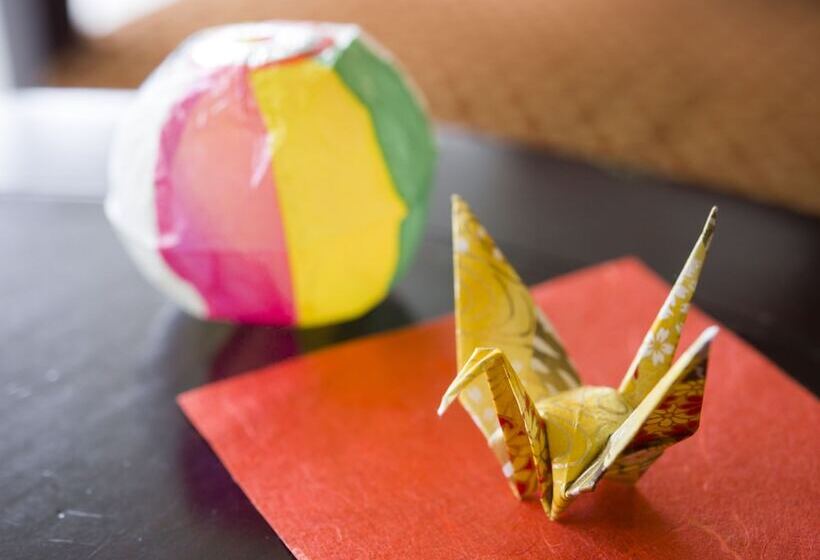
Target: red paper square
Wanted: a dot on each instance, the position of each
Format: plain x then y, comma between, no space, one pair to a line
343,454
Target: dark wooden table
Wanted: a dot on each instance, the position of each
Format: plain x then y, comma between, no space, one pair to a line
96,460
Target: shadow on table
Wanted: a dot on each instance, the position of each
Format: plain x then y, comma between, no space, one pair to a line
617,517
252,347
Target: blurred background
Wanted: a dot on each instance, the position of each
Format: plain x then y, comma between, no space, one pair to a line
722,93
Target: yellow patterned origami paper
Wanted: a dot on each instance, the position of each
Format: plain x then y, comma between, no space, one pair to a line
553,436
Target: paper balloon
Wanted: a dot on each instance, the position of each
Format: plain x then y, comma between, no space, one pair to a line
273,173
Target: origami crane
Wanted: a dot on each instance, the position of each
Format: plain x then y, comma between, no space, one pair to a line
554,437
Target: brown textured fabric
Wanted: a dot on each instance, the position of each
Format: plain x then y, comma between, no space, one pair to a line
723,92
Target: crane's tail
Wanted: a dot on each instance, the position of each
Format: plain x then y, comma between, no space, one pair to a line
654,357
520,442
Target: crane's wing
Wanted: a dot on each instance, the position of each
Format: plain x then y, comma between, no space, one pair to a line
523,448
668,414
658,348
494,309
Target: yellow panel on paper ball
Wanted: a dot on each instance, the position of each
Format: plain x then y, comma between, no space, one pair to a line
341,212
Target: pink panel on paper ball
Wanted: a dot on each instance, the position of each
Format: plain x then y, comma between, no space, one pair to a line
221,236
